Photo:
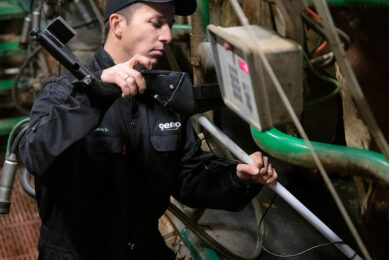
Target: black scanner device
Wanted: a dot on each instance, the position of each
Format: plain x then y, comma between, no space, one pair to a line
171,89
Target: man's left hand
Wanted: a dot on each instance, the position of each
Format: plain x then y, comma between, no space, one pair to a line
260,172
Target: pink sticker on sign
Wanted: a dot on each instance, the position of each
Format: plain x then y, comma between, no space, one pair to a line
244,66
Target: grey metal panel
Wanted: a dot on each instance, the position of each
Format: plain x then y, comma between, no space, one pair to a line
246,88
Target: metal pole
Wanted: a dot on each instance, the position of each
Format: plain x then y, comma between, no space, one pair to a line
279,189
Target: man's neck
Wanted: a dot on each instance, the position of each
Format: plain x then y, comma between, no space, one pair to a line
113,48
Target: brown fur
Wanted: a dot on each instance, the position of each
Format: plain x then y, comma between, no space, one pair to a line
368,55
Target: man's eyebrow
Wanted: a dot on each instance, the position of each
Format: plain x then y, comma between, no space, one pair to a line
160,16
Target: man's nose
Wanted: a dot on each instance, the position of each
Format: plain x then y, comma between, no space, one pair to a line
166,34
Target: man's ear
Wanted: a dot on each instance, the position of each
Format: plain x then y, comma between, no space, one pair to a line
116,23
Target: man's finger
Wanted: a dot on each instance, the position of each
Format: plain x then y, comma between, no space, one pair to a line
257,159
248,169
269,170
273,178
139,59
265,165
125,89
125,83
132,86
140,82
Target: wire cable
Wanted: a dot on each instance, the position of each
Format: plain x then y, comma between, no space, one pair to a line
243,19
319,42
228,160
26,184
289,255
304,251
318,27
324,78
220,249
323,60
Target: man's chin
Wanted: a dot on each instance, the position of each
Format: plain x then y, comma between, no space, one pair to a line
155,60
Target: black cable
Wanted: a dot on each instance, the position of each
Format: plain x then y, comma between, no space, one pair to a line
264,213
318,27
259,243
290,255
302,252
212,151
17,79
26,184
15,143
206,140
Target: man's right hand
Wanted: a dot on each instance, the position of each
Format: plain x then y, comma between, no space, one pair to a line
127,77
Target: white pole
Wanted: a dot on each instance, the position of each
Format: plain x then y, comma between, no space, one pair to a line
279,189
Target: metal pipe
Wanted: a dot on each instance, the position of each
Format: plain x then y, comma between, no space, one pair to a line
83,10
8,175
6,183
100,18
25,35
279,189
36,19
337,158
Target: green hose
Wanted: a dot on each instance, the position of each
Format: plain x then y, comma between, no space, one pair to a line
203,10
335,158
184,28
20,123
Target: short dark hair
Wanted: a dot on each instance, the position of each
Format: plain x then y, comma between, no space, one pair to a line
127,12
182,7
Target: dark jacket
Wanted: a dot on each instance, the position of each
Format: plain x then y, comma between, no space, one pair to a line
105,170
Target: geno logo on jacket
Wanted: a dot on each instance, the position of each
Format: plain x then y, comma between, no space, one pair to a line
169,126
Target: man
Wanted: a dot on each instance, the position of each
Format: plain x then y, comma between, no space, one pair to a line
104,169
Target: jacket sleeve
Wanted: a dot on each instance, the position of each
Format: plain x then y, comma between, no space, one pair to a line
205,181
60,116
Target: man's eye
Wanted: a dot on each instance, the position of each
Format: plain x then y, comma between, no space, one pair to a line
156,24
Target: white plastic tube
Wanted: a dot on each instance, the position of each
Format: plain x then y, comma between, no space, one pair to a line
279,189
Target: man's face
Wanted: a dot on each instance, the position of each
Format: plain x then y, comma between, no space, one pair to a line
148,31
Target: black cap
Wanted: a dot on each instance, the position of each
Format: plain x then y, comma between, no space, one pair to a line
183,7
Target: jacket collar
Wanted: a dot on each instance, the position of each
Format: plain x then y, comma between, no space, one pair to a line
102,60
